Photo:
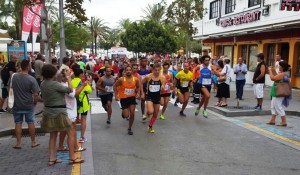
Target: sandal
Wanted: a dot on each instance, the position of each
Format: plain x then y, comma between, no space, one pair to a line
80,149
282,124
75,161
270,123
17,147
62,149
223,105
218,104
53,162
36,145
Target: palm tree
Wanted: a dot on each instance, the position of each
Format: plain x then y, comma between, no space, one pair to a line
98,29
155,12
123,24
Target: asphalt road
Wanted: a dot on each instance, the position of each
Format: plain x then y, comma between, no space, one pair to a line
183,146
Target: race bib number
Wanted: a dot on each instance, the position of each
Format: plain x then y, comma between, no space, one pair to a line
143,76
154,88
206,81
185,84
167,87
128,91
109,88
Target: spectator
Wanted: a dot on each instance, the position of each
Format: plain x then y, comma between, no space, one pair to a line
97,67
277,107
55,117
240,70
278,59
89,66
26,91
259,81
38,65
81,64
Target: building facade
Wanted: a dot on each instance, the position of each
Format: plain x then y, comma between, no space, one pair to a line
244,28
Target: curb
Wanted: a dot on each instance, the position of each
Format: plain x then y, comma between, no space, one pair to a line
11,131
243,113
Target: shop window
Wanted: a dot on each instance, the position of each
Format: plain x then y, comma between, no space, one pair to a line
285,51
229,6
220,50
270,55
252,60
214,9
244,53
298,60
228,52
252,3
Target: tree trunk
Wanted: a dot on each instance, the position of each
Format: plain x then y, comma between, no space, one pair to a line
95,45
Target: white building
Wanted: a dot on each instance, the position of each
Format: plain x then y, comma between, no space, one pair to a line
244,28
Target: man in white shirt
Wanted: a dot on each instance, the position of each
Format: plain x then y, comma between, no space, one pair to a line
278,59
240,70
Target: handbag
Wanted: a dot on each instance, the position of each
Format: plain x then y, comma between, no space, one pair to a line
283,89
11,98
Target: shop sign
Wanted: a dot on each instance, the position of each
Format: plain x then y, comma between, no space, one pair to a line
289,5
241,19
17,48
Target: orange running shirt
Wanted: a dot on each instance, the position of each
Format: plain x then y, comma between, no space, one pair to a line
127,89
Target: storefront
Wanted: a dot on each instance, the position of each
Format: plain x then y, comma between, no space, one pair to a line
284,42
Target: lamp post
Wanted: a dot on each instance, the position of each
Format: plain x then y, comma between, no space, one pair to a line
92,30
62,32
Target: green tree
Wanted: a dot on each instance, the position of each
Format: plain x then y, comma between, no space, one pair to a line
149,36
182,13
155,12
72,33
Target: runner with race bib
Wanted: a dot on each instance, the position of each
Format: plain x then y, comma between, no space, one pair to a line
155,84
126,89
143,72
205,81
166,93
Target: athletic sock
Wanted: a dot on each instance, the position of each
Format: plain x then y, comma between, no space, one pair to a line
152,121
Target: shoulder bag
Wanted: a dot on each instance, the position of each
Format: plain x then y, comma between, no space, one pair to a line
11,98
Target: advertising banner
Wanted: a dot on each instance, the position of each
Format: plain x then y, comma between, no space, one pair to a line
17,48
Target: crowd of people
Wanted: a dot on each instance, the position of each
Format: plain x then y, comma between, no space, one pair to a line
64,91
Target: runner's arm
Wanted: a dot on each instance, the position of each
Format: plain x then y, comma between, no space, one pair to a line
99,85
116,85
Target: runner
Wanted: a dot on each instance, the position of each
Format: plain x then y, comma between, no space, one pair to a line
205,82
105,87
155,84
143,71
166,93
185,79
177,84
129,88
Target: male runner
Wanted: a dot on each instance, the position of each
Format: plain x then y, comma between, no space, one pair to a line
155,84
205,82
185,78
105,87
143,71
166,93
128,88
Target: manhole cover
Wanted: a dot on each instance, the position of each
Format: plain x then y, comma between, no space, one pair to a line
235,108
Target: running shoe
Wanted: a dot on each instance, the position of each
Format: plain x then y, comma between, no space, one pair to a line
144,117
130,132
175,104
205,114
108,121
182,114
162,117
82,140
2,110
151,130
197,111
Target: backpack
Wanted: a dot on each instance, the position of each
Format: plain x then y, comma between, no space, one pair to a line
5,74
78,102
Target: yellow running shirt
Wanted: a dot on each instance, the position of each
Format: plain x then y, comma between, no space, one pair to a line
184,78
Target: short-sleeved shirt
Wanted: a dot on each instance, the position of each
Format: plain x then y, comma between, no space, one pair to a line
226,70
53,93
24,85
238,68
81,64
184,78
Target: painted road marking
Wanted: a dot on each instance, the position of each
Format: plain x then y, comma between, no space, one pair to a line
276,137
96,107
273,134
180,105
120,105
76,168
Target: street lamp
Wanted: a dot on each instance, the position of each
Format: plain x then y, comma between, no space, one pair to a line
92,29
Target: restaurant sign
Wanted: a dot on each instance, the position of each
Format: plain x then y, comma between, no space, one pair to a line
241,19
289,5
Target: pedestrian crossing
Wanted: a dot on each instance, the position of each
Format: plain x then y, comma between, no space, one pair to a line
96,106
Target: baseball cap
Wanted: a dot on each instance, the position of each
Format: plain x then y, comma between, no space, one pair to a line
260,55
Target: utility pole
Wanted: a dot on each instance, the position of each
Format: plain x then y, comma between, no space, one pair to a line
62,31
92,30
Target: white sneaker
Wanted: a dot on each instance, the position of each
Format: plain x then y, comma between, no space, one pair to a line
144,117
